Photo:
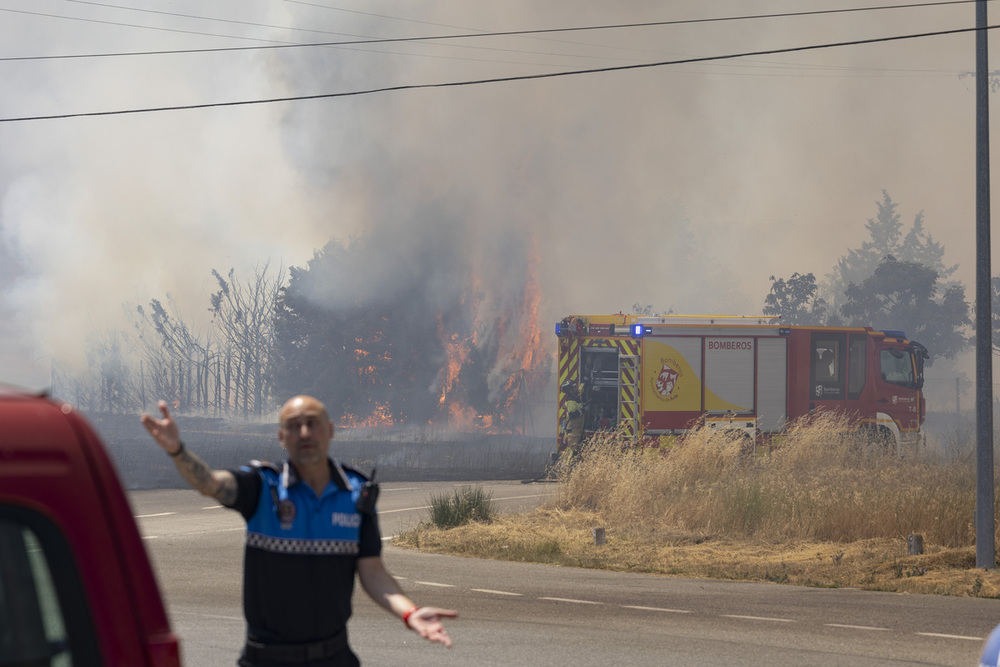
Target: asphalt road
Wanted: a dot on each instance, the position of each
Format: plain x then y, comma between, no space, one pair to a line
526,614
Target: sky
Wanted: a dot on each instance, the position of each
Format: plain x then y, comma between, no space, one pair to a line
680,186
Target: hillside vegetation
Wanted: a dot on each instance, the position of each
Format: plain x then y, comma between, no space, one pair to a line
821,509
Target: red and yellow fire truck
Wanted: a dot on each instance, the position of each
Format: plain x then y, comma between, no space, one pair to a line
665,375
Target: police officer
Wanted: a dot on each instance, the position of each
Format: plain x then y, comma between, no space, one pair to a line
311,526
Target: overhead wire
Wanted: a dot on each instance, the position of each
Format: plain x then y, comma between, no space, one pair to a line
372,14
424,38
161,12
505,79
123,25
272,43
685,21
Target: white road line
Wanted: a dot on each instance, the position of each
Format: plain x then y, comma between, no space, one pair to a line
434,583
214,507
855,627
759,618
487,590
147,516
150,537
407,488
571,600
937,634
427,507
405,509
672,611
209,532
200,615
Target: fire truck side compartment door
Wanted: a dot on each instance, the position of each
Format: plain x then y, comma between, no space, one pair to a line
772,384
671,387
729,374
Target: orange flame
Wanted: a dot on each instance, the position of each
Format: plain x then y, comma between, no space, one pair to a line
515,374
380,416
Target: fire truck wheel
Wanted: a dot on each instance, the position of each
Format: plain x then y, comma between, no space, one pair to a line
877,441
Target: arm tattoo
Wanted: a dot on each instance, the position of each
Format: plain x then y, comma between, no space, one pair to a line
197,473
226,493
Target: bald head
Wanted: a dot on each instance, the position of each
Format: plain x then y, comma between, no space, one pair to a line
305,431
300,405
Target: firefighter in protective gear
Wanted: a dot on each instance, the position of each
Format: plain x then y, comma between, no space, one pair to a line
572,419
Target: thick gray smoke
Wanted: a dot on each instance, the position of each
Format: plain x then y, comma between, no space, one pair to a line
683,187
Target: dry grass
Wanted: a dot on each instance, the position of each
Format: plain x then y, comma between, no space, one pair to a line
820,510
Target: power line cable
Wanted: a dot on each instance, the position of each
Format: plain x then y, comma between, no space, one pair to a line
159,12
507,79
391,40
126,25
273,43
380,16
774,15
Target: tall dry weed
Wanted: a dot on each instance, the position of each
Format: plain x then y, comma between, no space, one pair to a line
822,482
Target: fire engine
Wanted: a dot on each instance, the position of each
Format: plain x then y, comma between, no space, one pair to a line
651,377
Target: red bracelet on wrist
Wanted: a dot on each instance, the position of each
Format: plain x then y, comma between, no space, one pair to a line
407,614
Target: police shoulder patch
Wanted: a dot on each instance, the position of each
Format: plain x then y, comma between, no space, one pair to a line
351,469
257,465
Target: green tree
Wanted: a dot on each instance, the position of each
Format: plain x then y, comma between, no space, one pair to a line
886,238
796,300
904,296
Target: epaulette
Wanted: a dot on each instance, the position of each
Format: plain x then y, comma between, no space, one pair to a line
257,465
360,473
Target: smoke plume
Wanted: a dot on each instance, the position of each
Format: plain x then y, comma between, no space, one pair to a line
683,186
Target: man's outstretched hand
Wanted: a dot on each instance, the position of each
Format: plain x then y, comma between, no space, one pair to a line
426,622
165,430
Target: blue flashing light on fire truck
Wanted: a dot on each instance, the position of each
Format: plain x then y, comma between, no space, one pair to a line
665,375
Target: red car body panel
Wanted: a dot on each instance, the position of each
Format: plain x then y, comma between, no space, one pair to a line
53,463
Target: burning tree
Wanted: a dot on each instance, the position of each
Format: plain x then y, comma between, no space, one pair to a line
412,336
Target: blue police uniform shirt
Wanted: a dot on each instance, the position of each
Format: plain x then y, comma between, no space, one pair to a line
991,651
301,551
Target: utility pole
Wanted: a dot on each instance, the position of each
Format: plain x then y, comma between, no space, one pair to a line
984,517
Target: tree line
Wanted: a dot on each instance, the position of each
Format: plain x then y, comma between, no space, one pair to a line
222,371
416,352
896,279
318,329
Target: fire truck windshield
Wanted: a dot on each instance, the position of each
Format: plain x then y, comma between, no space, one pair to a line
904,367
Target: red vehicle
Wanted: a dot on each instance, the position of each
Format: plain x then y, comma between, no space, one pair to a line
76,583
664,375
